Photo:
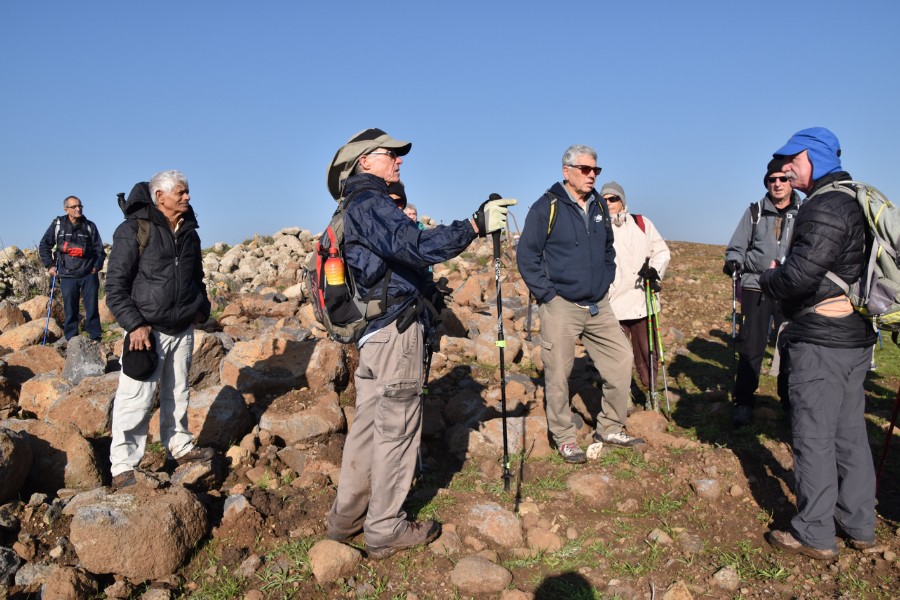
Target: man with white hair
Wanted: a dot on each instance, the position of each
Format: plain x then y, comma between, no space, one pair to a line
155,290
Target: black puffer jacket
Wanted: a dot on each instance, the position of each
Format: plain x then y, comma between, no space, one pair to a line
829,235
163,287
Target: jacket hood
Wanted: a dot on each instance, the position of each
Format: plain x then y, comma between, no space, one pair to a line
139,205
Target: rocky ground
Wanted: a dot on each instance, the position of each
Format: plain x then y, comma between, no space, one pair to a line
682,516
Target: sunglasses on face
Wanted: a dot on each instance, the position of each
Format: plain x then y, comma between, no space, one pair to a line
585,169
782,179
389,153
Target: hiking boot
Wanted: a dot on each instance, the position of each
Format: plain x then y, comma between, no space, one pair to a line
123,480
197,454
743,416
343,538
572,454
786,542
416,534
861,544
620,438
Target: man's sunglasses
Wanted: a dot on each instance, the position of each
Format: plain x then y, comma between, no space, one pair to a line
782,179
390,153
586,169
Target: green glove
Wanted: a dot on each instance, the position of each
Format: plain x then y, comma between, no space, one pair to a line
491,215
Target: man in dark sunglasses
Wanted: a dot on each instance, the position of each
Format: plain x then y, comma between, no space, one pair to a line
72,250
566,257
762,235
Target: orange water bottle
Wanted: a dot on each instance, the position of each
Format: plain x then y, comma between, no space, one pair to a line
334,268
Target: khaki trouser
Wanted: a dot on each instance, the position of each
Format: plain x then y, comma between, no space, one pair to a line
380,451
563,321
133,404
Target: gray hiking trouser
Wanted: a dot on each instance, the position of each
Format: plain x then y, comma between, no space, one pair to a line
380,451
561,323
833,469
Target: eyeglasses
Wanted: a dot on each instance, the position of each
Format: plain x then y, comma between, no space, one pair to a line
613,199
76,206
390,153
585,169
782,179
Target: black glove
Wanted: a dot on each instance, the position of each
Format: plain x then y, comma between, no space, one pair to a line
732,268
649,273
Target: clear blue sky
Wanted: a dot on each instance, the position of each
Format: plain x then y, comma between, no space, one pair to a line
684,101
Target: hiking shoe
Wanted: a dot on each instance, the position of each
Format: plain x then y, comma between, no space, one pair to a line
786,542
343,538
123,480
571,453
620,438
197,454
416,534
743,416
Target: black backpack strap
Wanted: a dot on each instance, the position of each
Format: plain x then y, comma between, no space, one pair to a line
755,210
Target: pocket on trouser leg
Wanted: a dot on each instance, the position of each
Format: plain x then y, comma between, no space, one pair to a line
397,416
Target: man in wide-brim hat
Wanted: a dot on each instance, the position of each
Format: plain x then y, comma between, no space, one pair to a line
385,251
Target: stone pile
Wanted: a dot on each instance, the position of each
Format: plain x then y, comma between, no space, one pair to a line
274,395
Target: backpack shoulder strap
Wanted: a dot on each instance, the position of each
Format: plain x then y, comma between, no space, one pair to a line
143,235
554,211
639,219
755,211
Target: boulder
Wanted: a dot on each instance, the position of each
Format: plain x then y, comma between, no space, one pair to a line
32,361
296,422
497,525
217,416
330,560
88,405
143,534
10,315
274,366
84,358
62,458
30,334
478,575
39,393
15,462
208,354
36,309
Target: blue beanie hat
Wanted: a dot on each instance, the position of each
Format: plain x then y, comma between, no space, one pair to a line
824,150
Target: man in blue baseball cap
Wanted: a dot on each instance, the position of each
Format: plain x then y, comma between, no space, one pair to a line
825,349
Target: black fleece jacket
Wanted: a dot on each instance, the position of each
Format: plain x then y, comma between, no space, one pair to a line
163,287
829,235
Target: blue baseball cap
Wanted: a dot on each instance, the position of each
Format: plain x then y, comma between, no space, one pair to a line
822,146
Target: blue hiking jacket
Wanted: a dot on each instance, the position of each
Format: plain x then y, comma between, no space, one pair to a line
577,260
378,237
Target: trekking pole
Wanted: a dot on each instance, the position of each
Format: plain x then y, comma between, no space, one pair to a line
50,306
887,440
428,350
528,320
501,344
662,352
654,404
733,326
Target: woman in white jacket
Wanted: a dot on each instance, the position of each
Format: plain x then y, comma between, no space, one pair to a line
636,242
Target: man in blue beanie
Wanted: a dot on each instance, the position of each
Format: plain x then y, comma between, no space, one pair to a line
825,350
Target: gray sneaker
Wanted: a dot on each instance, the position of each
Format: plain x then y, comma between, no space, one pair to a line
571,453
416,534
620,438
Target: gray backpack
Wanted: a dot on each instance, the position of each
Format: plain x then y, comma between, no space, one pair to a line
876,295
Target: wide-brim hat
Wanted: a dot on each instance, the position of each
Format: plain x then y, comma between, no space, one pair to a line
345,159
139,364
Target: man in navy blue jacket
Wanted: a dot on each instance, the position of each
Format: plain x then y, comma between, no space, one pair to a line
566,257
72,250
384,247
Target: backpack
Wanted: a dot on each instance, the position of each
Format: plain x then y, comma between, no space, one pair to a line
876,295
143,231
339,308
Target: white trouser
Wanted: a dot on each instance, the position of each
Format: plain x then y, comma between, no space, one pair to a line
133,405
